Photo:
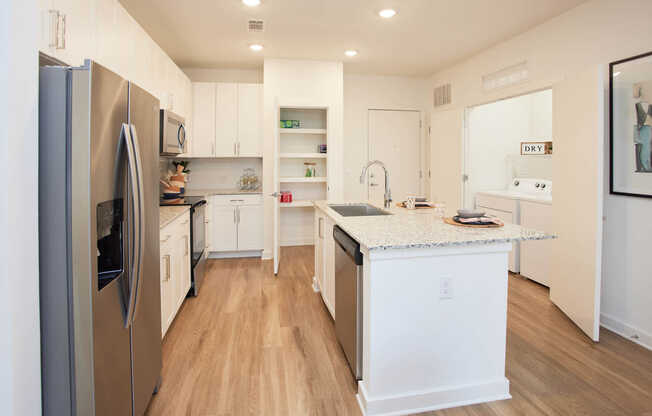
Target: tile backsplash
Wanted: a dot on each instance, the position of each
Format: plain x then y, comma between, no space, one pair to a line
215,173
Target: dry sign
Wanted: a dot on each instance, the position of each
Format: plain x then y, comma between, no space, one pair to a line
536,148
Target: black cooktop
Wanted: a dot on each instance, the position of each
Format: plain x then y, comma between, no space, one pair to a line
183,200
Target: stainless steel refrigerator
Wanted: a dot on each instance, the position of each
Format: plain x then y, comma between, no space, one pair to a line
99,242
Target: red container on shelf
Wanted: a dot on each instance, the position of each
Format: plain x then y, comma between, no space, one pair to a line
286,197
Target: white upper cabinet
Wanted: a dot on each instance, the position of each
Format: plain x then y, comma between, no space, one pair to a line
226,127
203,119
102,30
231,123
250,104
67,31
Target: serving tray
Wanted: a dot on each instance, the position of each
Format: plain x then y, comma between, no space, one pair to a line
451,221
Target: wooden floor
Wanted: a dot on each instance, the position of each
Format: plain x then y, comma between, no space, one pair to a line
255,344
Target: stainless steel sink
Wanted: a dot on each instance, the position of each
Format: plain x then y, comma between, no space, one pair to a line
358,210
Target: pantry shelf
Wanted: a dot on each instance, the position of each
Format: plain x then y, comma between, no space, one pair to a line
297,204
303,155
303,179
302,131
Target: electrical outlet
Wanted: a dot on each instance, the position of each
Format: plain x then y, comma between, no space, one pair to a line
446,287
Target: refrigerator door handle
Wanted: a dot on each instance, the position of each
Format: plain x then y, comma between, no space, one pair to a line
140,226
125,134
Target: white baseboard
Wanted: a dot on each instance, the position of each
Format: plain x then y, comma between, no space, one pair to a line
298,242
267,255
315,285
234,254
426,401
630,332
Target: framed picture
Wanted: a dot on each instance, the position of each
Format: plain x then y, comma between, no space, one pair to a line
630,126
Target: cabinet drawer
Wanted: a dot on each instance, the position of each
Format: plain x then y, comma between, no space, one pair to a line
178,227
234,200
494,202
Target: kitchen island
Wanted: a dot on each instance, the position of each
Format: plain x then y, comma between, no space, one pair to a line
434,309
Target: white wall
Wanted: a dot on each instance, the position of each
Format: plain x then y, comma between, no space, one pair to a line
301,83
365,92
495,133
598,31
20,363
245,76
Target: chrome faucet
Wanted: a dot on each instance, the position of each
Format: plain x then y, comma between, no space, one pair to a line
388,192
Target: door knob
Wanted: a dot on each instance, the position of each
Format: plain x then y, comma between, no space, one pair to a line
373,184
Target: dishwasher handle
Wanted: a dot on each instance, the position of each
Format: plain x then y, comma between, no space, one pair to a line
348,244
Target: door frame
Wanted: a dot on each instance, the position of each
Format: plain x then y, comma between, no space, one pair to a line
422,144
466,137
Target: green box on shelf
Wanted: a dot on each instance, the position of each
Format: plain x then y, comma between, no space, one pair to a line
290,124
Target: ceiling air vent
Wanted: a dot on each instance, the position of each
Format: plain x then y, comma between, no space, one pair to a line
256,26
442,95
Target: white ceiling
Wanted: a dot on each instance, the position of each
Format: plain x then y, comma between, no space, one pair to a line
425,36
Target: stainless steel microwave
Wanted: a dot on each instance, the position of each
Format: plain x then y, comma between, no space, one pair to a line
173,133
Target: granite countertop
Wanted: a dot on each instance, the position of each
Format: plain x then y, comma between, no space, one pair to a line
167,214
422,229
221,191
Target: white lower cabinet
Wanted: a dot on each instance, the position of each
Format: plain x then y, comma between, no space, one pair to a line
319,249
250,227
325,259
237,223
175,268
225,228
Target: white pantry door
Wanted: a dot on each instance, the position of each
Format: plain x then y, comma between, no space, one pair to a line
277,188
578,155
394,138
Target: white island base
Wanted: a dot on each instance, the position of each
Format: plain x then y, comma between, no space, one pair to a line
434,328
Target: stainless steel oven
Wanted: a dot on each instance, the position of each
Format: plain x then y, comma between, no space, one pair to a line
198,245
173,133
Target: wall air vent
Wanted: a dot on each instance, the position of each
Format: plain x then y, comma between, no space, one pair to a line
505,77
256,26
442,95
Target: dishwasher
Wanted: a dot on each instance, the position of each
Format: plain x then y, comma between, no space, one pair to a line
348,298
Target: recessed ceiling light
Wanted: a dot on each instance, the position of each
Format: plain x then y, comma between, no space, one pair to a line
256,47
387,13
616,74
251,3
351,52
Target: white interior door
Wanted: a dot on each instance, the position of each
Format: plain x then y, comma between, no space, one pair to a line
394,139
277,189
578,131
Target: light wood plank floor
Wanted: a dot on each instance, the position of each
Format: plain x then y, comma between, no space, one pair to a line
254,344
